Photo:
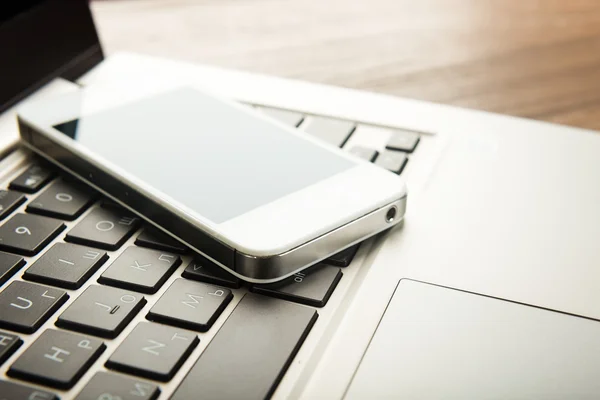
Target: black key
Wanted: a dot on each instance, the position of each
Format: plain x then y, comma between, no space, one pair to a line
66,265
17,391
394,161
153,351
101,311
140,269
249,355
104,228
25,306
343,258
365,153
109,386
155,239
9,343
9,201
332,131
403,140
57,358
313,287
201,269
63,200
190,305
33,179
9,264
28,234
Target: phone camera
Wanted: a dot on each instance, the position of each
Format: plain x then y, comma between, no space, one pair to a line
390,216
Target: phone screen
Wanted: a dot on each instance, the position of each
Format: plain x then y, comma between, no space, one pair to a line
210,157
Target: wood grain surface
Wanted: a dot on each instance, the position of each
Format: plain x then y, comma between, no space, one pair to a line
532,58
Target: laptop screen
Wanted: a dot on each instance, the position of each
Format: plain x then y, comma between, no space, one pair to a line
43,39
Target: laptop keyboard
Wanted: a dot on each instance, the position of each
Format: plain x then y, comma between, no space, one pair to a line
92,298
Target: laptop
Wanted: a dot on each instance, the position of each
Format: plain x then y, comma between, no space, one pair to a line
489,290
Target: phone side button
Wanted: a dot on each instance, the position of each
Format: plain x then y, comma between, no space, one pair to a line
312,287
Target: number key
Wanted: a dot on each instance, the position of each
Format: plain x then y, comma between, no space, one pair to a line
104,228
28,234
9,264
63,200
25,306
139,269
9,200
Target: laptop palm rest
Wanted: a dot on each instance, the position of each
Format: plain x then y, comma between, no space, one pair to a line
440,343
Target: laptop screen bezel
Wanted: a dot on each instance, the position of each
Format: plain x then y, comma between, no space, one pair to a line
42,40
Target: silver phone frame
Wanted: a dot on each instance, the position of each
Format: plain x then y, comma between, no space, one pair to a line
255,269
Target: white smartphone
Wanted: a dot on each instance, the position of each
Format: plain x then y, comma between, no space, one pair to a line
256,197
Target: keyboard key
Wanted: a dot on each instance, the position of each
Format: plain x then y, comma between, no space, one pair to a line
250,353
392,160
154,351
28,234
105,228
313,287
365,153
9,264
66,265
332,131
109,386
201,269
155,239
9,343
140,269
190,305
102,311
17,391
57,358
286,117
9,201
403,140
343,258
63,200
25,306
33,179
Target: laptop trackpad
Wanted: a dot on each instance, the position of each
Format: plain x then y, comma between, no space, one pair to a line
439,343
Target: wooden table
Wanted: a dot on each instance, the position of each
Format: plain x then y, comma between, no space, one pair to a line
533,58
